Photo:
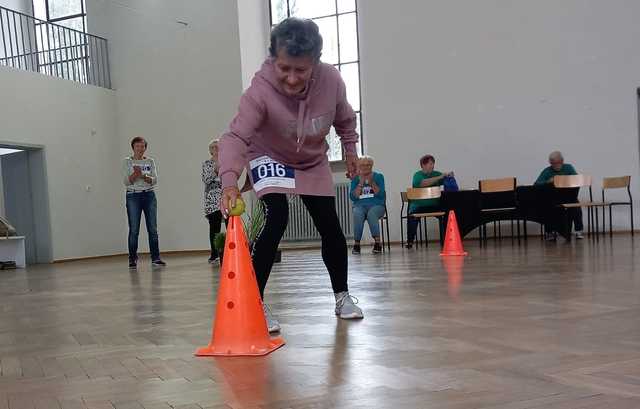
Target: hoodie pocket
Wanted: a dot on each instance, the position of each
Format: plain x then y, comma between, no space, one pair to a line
320,125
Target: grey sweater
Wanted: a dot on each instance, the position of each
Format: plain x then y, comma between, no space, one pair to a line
148,167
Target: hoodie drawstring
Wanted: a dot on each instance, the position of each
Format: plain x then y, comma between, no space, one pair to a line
300,131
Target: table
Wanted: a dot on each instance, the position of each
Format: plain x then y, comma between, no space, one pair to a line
536,203
12,249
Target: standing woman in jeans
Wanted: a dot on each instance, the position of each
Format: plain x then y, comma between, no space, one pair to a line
140,178
212,194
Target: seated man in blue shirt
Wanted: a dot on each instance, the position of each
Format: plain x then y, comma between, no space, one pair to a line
559,168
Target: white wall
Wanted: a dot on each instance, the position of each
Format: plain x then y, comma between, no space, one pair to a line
491,87
23,6
13,43
76,126
178,86
253,22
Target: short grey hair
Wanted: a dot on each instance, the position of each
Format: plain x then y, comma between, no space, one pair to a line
556,155
213,142
299,38
365,159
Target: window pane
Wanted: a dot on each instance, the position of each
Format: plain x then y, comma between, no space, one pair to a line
62,8
329,31
278,11
312,8
346,5
74,23
348,37
335,147
40,9
351,76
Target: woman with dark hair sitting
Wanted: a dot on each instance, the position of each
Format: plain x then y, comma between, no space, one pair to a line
279,135
425,177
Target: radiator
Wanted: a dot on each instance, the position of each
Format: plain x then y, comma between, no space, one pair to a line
301,228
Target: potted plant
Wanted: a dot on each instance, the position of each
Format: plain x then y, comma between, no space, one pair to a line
218,244
253,222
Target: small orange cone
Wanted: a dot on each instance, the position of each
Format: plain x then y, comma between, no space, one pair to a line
452,240
240,328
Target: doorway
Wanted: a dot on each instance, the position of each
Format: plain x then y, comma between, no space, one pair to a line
25,199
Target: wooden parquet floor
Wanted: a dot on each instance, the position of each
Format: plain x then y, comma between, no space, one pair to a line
533,326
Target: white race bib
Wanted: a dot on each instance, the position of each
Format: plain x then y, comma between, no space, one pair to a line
266,172
146,170
367,192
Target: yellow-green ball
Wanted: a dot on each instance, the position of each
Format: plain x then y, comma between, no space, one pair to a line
238,209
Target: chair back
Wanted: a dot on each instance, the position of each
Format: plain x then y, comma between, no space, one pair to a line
497,185
571,181
421,193
403,196
616,182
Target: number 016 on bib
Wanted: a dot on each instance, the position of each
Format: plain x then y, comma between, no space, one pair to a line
266,172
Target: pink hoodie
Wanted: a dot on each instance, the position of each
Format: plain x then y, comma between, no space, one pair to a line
281,139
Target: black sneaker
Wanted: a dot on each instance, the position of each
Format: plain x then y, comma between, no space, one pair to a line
213,260
133,264
408,246
158,263
356,249
377,248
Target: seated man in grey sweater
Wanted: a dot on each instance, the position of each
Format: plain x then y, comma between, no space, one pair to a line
140,178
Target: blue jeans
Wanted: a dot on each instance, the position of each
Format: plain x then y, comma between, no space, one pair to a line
372,214
136,204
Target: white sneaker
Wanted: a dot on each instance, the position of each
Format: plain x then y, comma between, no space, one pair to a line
579,235
272,323
346,307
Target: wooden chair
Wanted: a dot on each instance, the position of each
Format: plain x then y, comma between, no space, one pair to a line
620,182
384,222
576,182
506,186
422,193
403,215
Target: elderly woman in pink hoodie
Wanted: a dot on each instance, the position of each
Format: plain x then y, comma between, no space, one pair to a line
279,135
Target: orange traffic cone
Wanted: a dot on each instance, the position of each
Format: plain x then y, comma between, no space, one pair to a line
452,240
240,327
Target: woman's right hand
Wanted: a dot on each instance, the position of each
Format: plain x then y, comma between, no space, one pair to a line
229,197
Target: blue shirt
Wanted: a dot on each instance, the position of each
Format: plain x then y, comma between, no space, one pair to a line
367,196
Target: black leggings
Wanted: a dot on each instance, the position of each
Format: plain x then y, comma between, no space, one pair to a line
215,222
323,212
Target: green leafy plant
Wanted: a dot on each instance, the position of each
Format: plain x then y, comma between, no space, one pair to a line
254,221
218,241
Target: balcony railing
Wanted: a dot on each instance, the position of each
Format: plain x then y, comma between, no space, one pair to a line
31,44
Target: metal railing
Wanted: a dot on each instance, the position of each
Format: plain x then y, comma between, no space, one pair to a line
32,44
